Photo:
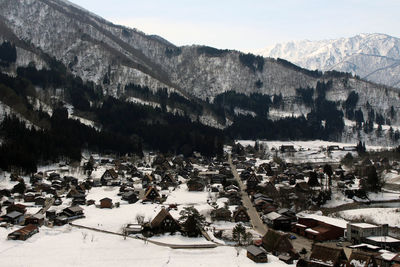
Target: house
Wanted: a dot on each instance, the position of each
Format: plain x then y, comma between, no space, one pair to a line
324,255
252,182
195,185
40,201
16,207
133,229
221,214
257,254
108,177
24,233
151,194
164,222
287,148
29,197
240,215
277,221
14,217
361,258
279,243
36,219
357,232
320,228
168,180
386,242
106,203
147,180
130,196
74,211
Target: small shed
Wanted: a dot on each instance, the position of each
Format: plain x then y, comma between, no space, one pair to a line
257,254
106,203
24,233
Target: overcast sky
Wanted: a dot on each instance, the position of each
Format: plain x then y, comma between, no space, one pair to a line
253,24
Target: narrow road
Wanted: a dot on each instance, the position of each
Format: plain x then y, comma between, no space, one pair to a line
173,246
255,219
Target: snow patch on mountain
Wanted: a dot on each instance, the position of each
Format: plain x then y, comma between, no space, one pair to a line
375,57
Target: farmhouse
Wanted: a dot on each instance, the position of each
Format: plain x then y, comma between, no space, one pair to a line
164,222
257,254
106,203
322,256
240,215
24,233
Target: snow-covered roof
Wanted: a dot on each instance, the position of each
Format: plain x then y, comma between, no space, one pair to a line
312,231
328,220
365,245
272,215
364,225
383,239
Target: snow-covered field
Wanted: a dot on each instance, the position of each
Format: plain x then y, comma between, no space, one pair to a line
67,246
390,216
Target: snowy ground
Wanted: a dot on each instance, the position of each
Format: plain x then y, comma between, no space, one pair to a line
66,246
373,215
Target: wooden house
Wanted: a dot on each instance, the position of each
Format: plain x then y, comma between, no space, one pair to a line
277,221
30,197
241,215
221,214
252,182
16,207
323,255
147,181
24,233
164,222
74,211
108,177
195,185
14,217
361,258
278,243
36,219
106,203
40,201
151,194
257,254
130,196
168,180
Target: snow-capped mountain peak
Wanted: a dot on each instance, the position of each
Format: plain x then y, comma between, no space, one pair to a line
374,56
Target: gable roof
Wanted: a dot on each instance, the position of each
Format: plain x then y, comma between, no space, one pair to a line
254,250
360,258
161,216
277,241
239,210
328,256
149,190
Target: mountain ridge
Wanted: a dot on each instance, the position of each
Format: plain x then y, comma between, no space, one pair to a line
367,55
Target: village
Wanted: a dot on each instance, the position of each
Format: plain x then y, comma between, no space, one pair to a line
274,203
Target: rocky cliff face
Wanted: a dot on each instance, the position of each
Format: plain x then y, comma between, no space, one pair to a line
97,50
375,57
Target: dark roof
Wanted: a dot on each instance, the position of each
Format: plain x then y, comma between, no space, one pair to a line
161,216
328,256
75,208
361,257
26,230
240,209
106,199
14,214
277,241
254,250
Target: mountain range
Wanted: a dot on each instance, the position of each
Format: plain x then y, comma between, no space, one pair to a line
375,57
148,92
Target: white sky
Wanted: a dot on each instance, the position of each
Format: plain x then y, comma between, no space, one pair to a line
253,24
